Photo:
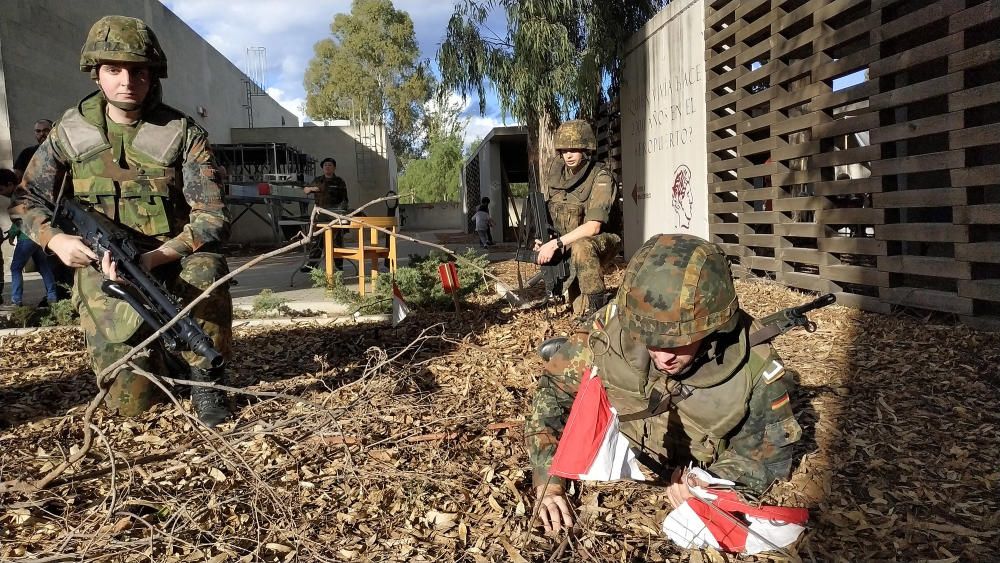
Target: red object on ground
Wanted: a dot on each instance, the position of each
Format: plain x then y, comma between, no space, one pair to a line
449,276
263,188
731,537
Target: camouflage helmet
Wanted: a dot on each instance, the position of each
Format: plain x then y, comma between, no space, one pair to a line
677,289
576,134
125,40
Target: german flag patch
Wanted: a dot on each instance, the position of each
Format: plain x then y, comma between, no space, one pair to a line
779,402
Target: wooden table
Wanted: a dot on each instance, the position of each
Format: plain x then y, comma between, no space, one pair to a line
368,248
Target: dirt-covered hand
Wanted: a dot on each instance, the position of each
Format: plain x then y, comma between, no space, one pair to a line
678,492
555,513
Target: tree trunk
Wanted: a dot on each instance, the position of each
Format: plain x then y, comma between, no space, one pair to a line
541,147
546,143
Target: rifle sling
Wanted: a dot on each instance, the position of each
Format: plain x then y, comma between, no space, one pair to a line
659,403
764,335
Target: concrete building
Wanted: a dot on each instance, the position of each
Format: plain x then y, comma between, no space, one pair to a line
40,77
499,161
364,158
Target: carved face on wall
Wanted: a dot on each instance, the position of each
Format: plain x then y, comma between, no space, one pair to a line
682,196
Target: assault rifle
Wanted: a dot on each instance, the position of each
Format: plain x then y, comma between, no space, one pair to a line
142,291
557,270
785,320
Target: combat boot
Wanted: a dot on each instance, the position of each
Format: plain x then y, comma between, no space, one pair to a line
595,301
210,404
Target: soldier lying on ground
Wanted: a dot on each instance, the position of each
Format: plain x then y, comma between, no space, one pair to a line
672,350
149,168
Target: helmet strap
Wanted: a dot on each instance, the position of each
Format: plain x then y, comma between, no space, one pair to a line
151,100
124,106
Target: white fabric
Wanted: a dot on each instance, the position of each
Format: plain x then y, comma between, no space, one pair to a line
615,459
706,477
780,534
686,529
399,309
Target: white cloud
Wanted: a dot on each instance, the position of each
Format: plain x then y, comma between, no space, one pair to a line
295,105
288,31
477,126
480,126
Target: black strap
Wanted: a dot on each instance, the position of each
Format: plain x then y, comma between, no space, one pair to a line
659,403
764,335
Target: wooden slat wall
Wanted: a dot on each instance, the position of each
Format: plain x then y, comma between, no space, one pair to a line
886,192
607,127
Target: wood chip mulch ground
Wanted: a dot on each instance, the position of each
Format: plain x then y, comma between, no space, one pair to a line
406,445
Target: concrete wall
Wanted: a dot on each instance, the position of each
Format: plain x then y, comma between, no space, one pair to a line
40,44
490,186
369,172
40,76
664,127
447,216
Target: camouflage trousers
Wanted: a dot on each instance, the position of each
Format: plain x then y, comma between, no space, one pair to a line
587,259
111,327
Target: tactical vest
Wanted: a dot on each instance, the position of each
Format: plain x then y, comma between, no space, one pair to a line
720,385
145,196
567,197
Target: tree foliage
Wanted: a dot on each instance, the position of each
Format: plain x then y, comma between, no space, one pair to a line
551,62
370,70
438,176
443,116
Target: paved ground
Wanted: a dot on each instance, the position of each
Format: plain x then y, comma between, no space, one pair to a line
275,274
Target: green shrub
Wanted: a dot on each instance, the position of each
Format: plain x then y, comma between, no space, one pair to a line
419,283
267,303
22,316
61,313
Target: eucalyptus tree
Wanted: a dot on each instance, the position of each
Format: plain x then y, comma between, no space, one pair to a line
554,59
369,69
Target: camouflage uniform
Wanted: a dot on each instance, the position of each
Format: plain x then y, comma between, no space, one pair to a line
736,420
575,198
156,177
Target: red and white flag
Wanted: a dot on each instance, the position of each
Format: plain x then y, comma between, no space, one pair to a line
591,447
748,529
399,308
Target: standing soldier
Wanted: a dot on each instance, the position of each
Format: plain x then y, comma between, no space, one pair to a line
580,194
331,193
149,168
678,359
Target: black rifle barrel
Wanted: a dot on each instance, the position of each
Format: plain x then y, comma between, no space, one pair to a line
153,303
556,271
819,302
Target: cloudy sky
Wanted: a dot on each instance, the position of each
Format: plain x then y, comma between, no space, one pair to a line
289,30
